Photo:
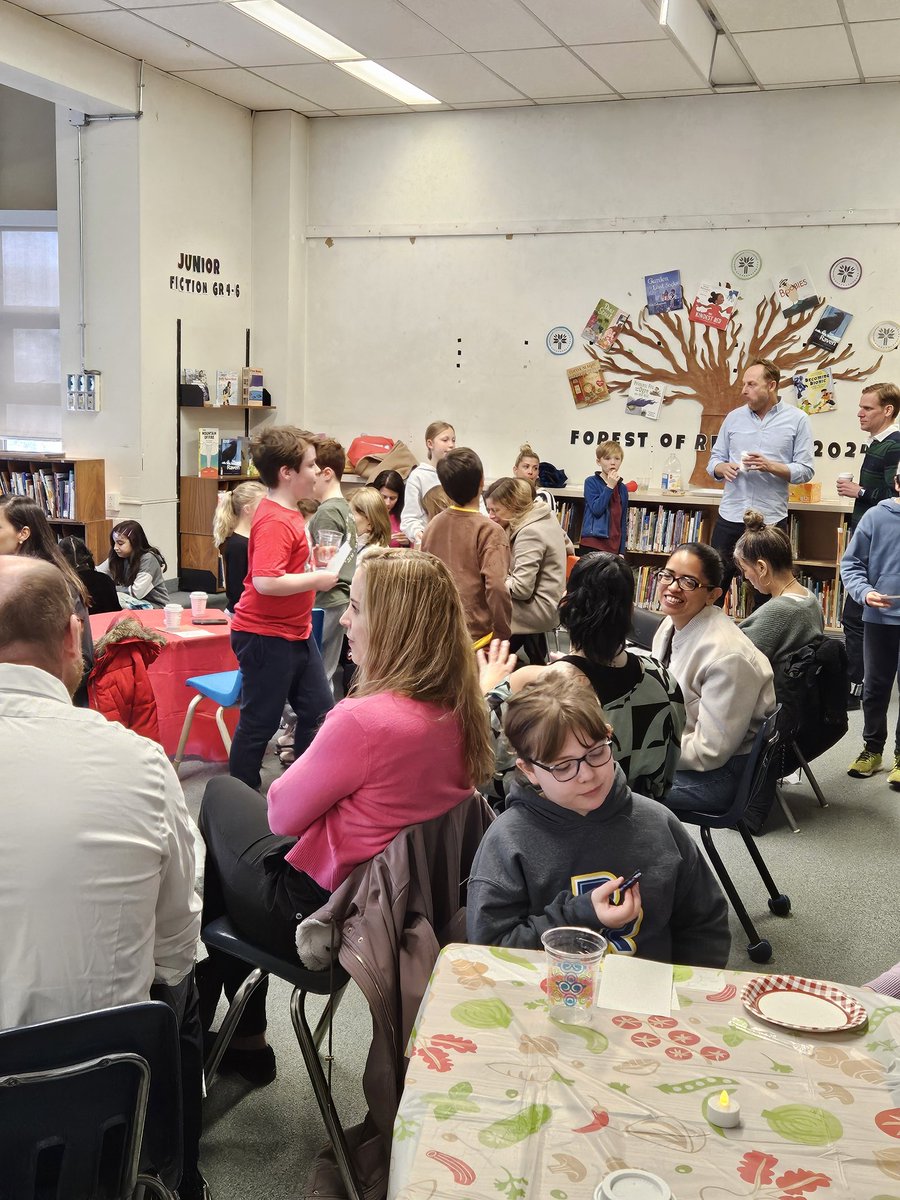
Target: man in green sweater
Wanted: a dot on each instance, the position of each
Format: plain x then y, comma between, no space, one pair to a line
879,406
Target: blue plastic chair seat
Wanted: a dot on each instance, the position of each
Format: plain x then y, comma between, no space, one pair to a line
223,687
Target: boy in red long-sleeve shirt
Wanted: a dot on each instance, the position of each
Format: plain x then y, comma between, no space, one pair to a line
271,633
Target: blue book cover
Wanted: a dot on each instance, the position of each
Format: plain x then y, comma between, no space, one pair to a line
664,292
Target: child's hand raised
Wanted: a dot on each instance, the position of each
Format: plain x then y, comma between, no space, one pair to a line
495,665
614,916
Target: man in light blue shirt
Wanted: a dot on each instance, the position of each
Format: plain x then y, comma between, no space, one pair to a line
761,448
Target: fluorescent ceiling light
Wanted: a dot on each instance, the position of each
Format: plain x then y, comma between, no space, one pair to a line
386,81
286,22
692,32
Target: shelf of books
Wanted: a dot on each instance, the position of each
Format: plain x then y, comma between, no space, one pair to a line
658,521
70,491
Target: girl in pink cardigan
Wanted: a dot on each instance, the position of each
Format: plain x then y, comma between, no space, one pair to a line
410,742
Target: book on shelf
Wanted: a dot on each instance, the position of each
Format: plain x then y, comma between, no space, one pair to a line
251,386
198,379
208,453
232,452
228,388
52,491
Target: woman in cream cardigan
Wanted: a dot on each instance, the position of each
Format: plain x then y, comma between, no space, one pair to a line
537,572
726,682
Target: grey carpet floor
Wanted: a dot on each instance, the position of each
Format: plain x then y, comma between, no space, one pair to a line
840,872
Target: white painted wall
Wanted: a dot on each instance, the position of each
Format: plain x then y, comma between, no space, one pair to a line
177,180
27,153
386,314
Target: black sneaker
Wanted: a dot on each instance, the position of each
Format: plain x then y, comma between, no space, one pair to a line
257,1067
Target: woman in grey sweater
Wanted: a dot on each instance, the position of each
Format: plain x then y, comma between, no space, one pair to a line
793,617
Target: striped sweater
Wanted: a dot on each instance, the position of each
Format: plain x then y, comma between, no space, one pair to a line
876,474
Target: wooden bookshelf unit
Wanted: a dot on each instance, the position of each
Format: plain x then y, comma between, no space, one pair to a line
71,491
658,521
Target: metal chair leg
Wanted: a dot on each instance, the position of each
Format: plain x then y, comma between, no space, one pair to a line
156,1186
229,1024
758,860
807,771
322,1092
223,729
327,1016
786,809
730,890
185,731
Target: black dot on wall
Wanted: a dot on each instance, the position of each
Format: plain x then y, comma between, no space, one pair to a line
526,343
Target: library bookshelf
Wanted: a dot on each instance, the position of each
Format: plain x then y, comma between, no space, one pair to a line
71,491
659,521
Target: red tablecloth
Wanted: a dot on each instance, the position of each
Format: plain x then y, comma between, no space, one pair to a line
193,650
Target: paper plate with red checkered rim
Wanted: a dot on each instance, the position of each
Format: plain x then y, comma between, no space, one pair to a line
807,1005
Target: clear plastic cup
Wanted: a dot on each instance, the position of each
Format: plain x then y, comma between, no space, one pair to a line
574,956
198,603
327,543
172,616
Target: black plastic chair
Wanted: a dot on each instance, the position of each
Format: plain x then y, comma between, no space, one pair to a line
757,773
221,935
90,1104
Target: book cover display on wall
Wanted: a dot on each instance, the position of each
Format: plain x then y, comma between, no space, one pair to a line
714,305
831,327
645,399
232,455
795,292
815,392
587,384
603,325
664,292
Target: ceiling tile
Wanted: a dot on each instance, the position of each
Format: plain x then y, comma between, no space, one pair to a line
132,35
742,15
495,104
132,4
551,72
584,21
226,31
377,28
484,24
326,85
878,47
798,56
547,100
641,66
249,90
51,8
870,10
453,78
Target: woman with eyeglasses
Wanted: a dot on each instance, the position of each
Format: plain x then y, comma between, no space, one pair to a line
726,682
573,832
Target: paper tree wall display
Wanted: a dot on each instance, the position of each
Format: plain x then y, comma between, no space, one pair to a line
706,365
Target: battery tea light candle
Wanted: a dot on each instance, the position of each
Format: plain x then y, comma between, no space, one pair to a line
723,1110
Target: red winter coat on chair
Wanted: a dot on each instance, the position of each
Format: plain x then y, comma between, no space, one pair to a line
119,686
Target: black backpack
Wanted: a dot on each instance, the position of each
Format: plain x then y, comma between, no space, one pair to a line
811,686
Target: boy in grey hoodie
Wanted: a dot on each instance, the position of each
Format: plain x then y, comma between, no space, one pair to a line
572,832
870,570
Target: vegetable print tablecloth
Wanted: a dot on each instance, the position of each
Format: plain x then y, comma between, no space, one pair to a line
502,1102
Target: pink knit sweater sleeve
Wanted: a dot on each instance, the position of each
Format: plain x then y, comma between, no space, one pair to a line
334,766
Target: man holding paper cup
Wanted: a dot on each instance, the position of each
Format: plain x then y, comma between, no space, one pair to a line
879,406
870,570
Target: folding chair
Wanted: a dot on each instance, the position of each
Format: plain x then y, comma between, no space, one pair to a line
756,773
91,1105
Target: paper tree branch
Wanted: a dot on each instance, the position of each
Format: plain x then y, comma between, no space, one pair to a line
664,349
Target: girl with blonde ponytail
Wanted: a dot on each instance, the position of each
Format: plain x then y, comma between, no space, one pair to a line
231,533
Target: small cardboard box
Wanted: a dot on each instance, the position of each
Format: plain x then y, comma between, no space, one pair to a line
805,493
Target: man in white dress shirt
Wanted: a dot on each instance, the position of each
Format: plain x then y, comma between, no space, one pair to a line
97,902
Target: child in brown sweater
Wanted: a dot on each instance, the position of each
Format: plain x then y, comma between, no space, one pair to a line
472,546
